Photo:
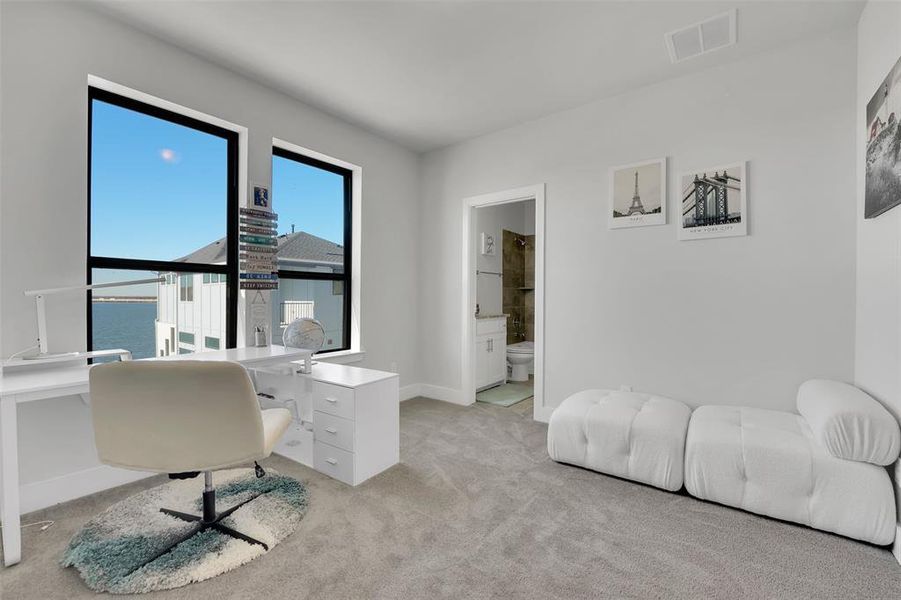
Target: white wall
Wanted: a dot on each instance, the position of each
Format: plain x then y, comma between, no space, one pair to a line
877,367
734,321
493,220
878,344
48,50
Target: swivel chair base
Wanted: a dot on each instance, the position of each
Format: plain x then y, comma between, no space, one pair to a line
208,520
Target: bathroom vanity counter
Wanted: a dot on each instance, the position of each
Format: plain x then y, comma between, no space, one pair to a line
490,351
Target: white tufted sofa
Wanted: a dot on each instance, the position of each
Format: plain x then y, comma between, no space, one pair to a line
627,434
823,468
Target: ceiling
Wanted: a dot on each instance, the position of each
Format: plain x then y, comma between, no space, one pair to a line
429,74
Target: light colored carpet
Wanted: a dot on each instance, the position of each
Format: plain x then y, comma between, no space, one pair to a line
507,394
476,509
114,551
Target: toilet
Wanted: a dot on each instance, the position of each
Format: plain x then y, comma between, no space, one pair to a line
519,356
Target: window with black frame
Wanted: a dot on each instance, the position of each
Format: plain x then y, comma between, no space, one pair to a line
162,204
313,202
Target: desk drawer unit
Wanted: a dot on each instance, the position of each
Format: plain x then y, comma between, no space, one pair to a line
356,425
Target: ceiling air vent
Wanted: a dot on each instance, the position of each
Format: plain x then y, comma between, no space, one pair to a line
701,38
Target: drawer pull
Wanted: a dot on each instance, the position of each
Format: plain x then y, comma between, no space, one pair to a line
331,430
332,400
331,461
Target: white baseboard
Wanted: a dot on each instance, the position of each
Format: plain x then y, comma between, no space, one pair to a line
42,494
445,394
543,415
410,391
434,392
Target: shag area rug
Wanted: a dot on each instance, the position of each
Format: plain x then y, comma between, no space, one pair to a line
107,550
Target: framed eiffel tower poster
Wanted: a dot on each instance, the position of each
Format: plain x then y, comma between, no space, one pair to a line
638,194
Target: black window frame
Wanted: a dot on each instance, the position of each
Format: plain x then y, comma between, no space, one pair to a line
347,269
230,268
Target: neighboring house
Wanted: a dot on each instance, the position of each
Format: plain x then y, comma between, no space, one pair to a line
191,307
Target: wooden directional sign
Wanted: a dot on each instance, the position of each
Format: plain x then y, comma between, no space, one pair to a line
258,249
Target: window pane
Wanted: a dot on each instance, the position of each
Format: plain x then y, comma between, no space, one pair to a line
310,206
159,190
152,319
320,300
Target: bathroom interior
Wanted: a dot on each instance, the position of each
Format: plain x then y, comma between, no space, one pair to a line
505,303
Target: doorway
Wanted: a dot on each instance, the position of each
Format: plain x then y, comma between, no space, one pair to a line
503,316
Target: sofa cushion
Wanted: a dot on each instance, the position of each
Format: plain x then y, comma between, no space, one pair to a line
849,423
627,434
767,462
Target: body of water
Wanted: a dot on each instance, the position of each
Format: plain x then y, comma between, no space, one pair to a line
128,325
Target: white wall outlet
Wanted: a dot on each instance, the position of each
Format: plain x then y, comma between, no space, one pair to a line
394,367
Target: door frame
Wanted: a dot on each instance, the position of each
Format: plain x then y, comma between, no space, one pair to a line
541,412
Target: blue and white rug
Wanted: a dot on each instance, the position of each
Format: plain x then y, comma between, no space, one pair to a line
109,547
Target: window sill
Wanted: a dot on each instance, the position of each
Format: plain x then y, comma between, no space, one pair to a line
343,357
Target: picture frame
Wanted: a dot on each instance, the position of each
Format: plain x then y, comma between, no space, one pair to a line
713,202
489,244
882,155
260,196
637,194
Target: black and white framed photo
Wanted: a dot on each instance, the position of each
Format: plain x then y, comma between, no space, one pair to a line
638,194
883,178
489,245
714,202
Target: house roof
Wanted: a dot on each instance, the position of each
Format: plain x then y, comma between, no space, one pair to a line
307,247
299,246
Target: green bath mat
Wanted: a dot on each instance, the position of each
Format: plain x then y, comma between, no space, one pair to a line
507,394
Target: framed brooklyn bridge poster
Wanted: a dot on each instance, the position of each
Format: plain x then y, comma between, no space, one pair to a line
714,202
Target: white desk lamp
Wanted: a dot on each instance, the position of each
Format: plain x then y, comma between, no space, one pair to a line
44,355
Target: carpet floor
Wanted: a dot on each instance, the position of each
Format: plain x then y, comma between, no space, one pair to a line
477,510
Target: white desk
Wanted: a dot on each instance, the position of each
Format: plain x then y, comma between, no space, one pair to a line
41,384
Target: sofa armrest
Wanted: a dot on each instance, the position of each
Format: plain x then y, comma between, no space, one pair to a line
848,423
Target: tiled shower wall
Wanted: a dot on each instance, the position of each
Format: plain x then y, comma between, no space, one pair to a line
518,253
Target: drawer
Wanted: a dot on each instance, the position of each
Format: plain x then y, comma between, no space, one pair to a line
488,326
333,430
334,462
333,399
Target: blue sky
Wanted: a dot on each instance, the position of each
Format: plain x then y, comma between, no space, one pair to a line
158,189
310,198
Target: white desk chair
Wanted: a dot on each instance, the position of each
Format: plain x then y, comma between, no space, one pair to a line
180,417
